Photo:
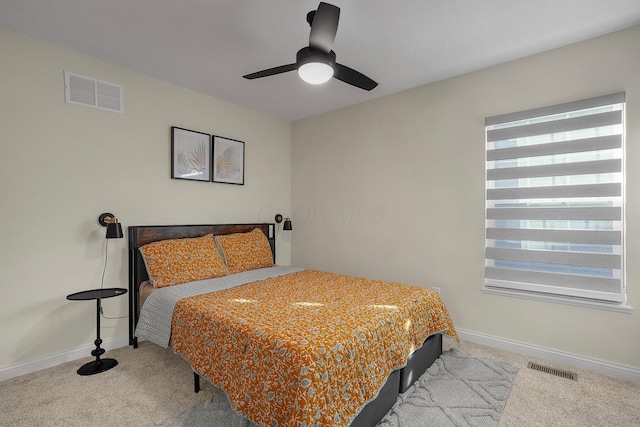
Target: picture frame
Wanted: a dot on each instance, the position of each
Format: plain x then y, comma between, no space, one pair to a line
190,155
228,160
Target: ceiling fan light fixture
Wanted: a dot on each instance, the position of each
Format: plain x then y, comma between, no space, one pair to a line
315,73
314,66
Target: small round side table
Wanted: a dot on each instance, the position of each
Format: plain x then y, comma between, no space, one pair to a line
98,365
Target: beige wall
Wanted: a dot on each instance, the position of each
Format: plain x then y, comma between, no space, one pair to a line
62,165
393,189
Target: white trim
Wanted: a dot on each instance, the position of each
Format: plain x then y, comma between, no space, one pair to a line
620,308
581,362
12,371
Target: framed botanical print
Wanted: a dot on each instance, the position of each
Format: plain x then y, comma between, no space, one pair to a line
228,160
190,155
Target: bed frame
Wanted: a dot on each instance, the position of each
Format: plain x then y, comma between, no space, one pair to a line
398,382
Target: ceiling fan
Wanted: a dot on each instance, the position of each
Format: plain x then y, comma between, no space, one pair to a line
316,64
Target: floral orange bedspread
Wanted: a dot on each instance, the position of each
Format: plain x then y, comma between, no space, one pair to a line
308,348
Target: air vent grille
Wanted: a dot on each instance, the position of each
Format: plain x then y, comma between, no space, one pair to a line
553,371
90,92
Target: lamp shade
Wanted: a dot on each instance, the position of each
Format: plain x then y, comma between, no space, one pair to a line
114,231
287,224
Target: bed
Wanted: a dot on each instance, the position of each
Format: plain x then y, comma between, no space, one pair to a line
289,346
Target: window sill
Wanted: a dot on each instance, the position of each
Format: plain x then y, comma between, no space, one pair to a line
620,308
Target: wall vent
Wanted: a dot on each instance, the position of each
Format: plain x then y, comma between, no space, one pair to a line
90,92
553,371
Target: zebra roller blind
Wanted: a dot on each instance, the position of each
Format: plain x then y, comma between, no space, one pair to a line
554,200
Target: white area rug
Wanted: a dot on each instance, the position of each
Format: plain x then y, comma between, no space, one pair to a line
457,390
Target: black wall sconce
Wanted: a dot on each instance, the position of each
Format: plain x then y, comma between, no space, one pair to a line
287,222
114,228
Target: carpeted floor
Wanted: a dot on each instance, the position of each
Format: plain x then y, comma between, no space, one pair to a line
131,395
458,390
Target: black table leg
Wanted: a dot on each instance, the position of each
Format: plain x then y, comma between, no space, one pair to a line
98,365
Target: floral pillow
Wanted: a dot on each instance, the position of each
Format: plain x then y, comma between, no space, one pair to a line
246,251
176,261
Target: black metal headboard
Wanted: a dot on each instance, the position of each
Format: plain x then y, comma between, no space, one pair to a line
143,234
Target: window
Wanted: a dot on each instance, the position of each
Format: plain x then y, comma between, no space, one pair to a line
554,200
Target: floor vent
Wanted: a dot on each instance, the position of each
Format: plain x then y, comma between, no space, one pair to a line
90,92
553,371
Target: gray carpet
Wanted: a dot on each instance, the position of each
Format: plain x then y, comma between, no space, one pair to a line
457,390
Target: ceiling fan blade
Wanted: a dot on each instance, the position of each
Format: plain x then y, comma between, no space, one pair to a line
271,71
324,26
353,77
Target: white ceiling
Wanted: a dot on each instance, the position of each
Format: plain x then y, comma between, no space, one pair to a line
207,45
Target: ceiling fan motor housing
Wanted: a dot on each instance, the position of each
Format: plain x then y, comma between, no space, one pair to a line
310,54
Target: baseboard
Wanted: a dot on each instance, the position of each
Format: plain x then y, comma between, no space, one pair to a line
24,368
581,362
